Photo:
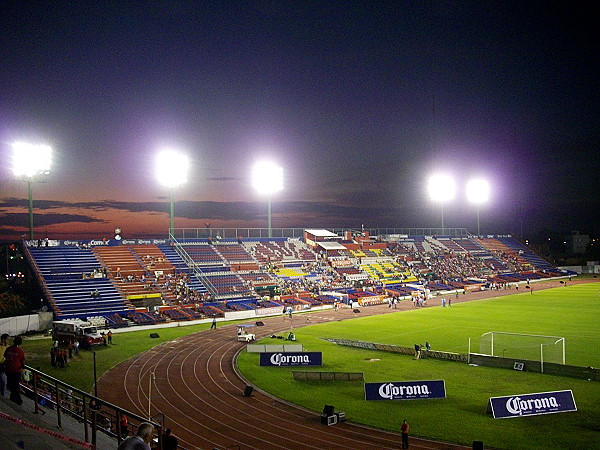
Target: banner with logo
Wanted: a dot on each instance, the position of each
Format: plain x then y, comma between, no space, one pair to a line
532,404
291,359
405,390
93,242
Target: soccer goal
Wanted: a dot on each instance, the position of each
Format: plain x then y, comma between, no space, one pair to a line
533,347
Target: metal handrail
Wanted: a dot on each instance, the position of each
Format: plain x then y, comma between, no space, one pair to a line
92,412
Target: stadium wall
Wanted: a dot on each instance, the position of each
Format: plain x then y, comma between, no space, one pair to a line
17,325
589,268
587,373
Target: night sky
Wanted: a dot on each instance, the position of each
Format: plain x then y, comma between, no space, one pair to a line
359,102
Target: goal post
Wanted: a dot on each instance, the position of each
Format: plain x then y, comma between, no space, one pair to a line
533,347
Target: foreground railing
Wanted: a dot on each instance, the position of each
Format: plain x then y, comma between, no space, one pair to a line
94,414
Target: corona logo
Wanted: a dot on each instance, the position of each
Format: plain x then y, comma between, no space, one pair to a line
278,359
516,405
390,390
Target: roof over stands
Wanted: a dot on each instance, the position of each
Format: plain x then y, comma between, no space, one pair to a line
329,245
322,233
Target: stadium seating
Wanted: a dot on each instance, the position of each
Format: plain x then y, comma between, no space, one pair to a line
104,281
76,282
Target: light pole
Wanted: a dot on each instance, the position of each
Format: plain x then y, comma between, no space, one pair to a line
151,378
478,192
267,179
441,189
171,171
29,163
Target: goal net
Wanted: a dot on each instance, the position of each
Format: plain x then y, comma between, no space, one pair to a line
532,347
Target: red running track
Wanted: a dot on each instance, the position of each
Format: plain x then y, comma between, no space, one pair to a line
198,390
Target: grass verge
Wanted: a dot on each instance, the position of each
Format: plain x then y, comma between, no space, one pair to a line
571,312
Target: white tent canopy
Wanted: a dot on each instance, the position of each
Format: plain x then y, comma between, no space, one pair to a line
322,233
330,245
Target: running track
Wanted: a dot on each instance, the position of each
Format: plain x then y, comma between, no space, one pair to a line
198,390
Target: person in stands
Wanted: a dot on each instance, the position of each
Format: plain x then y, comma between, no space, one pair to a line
141,440
124,426
169,442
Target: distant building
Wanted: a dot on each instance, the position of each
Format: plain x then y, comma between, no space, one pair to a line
576,243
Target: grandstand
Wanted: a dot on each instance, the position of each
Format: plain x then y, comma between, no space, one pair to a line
149,282
74,282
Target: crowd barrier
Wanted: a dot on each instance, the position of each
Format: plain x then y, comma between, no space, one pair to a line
274,348
328,376
403,350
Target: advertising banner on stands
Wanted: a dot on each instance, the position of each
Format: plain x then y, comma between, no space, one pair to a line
532,404
291,359
405,390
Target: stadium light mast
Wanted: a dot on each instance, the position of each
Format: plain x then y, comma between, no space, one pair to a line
30,163
441,190
478,192
267,178
171,171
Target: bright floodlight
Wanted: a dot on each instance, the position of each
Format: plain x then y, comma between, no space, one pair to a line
441,188
30,160
267,178
478,191
172,168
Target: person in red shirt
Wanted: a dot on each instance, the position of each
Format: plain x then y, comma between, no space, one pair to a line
124,426
3,347
14,360
404,429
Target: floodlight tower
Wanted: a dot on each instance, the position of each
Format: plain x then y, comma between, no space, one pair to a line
441,190
171,171
30,162
267,179
478,192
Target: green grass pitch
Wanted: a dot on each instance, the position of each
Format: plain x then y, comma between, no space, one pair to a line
571,312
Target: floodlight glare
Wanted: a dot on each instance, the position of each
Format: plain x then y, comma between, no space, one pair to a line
172,168
171,171
267,178
478,190
30,160
441,188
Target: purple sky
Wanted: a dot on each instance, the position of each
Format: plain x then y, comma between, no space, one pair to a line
358,101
